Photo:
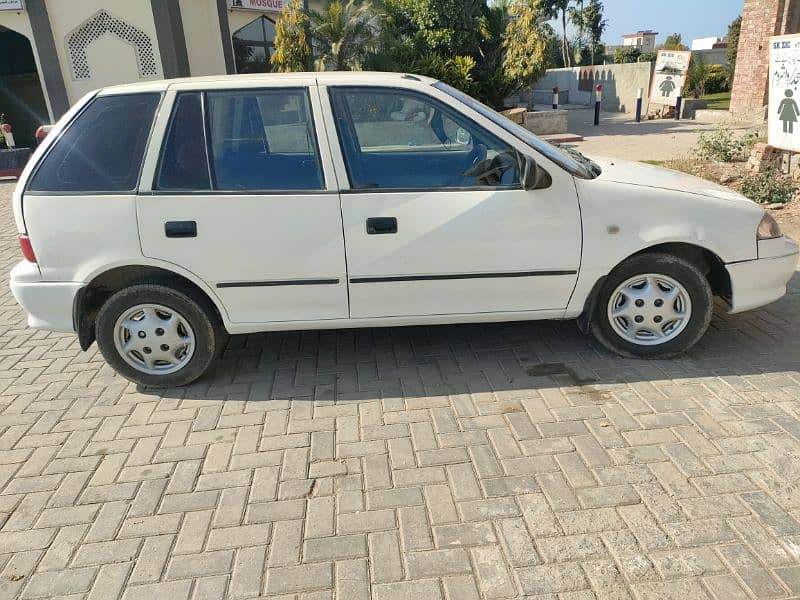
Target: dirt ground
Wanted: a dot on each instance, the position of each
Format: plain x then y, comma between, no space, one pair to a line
789,218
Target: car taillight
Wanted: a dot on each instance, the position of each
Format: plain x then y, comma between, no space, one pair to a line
27,249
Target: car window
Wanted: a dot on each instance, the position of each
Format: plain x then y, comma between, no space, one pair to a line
574,162
401,139
184,161
102,149
263,140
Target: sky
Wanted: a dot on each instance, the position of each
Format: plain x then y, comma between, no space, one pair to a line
691,18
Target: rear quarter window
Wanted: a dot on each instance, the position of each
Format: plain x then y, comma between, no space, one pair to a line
102,149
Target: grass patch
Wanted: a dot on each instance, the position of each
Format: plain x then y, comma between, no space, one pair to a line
721,101
698,168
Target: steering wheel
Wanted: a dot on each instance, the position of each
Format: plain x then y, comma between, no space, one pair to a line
479,152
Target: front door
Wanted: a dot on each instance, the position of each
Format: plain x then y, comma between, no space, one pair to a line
240,199
436,221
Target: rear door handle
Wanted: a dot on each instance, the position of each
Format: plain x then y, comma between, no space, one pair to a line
381,225
180,229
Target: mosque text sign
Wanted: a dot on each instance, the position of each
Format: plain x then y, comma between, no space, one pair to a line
784,92
11,5
260,5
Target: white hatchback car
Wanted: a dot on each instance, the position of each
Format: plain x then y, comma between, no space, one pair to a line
159,217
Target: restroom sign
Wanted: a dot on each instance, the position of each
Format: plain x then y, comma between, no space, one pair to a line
259,5
11,5
784,92
669,76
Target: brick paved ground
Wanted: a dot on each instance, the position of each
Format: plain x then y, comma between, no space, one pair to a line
415,464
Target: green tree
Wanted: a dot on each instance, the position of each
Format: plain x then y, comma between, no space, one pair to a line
674,42
595,25
446,27
734,31
525,42
577,17
696,77
345,34
559,9
292,49
438,38
627,54
490,81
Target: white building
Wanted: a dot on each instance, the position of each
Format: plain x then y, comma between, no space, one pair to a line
705,43
643,40
54,51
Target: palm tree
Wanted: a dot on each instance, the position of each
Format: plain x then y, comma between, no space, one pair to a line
595,25
344,34
558,9
577,14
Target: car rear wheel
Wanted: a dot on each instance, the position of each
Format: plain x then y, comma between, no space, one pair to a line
653,306
157,335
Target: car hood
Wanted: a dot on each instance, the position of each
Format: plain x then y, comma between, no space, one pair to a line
641,174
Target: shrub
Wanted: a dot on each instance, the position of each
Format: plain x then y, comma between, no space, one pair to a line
717,80
768,188
628,54
723,145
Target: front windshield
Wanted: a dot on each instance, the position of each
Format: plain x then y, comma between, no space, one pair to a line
567,158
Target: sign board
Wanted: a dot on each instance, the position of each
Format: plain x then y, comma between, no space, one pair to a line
784,92
259,5
11,5
670,76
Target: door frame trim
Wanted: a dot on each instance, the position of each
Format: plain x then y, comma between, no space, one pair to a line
452,276
277,283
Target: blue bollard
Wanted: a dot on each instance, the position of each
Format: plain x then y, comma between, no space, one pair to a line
639,105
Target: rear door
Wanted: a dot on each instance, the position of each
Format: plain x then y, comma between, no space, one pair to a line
436,220
243,197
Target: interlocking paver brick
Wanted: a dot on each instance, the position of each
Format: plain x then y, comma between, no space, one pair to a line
404,463
425,589
285,580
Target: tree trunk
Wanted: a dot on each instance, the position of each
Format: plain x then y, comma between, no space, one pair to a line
564,42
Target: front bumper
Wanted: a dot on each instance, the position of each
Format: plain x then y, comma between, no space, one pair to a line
49,304
758,282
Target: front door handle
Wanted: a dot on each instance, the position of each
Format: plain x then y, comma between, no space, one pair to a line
381,225
180,229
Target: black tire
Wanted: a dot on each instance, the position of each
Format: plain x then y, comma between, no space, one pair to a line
679,269
209,335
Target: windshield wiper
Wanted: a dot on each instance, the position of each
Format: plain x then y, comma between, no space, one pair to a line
592,167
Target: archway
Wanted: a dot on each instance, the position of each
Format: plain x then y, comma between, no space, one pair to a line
253,46
21,98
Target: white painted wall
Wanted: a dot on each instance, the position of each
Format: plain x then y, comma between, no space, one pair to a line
620,83
645,43
201,30
112,60
704,43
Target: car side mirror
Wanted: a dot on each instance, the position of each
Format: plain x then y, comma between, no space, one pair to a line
535,177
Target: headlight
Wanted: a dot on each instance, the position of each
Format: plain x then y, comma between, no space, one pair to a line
768,228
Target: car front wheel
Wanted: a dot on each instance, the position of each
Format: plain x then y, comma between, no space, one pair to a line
653,306
157,335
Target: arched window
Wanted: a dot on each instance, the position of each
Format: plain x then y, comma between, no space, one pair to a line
253,46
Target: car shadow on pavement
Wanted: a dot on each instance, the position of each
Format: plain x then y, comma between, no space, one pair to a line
506,360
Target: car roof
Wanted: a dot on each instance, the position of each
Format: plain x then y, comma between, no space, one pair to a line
322,78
